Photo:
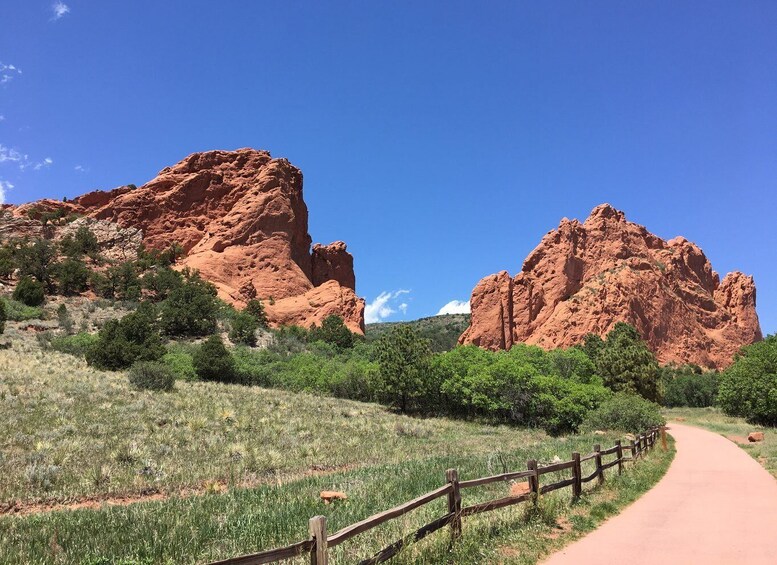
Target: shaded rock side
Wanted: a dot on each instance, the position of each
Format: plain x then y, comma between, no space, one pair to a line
242,221
585,277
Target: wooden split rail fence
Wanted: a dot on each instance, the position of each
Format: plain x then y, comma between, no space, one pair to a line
320,541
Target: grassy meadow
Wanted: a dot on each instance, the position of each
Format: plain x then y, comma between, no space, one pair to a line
227,469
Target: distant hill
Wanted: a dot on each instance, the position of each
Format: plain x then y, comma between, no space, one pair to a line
442,331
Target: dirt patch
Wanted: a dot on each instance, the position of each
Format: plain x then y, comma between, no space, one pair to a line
741,440
210,487
510,553
563,526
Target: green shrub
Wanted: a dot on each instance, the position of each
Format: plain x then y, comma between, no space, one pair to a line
626,363
691,389
213,362
243,330
38,260
191,309
120,282
748,388
64,319
76,345
83,242
161,281
151,375
333,331
179,359
72,277
29,292
403,357
624,412
7,262
121,343
256,309
19,312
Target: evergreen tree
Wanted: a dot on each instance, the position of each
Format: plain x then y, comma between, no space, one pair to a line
627,365
404,361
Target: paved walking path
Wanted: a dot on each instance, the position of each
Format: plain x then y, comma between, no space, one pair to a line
715,505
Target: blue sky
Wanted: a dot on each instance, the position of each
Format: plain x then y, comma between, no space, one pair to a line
440,140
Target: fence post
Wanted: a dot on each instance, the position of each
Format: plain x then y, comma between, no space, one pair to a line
454,503
577,476
619,453
318,556
633,451
663,438
598,458
534,480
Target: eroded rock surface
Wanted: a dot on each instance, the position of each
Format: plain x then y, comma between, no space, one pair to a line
584,277
242,221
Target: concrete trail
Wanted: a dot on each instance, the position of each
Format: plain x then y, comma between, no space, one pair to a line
715,506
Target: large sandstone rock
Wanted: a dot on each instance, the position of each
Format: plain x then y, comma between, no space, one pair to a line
584,277
242,221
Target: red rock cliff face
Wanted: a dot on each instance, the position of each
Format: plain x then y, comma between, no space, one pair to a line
584,277
243,223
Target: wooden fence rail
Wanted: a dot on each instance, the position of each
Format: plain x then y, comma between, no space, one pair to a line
317,546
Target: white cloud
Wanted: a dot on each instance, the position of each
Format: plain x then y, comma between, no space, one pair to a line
5,186
2,117
80,169
11,155
59,9
8,72
403,307
381,308
47,162
455,307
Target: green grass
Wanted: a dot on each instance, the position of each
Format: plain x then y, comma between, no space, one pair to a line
241,469
203,528
18,312
69,431
735,428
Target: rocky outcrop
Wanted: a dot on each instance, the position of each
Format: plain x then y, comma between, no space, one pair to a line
584,277
242,222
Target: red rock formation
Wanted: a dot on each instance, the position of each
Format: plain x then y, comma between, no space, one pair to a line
583,278
242,221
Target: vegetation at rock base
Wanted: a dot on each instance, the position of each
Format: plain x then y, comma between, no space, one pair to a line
689,385
190,309
121,343
625,362
748,388
625,412
29,292
243,330
213,362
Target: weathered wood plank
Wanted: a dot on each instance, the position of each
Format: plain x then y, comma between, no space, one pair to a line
391,550
319,555
377,519
496,478
454,503
494,504
556,467
270,556
555,486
